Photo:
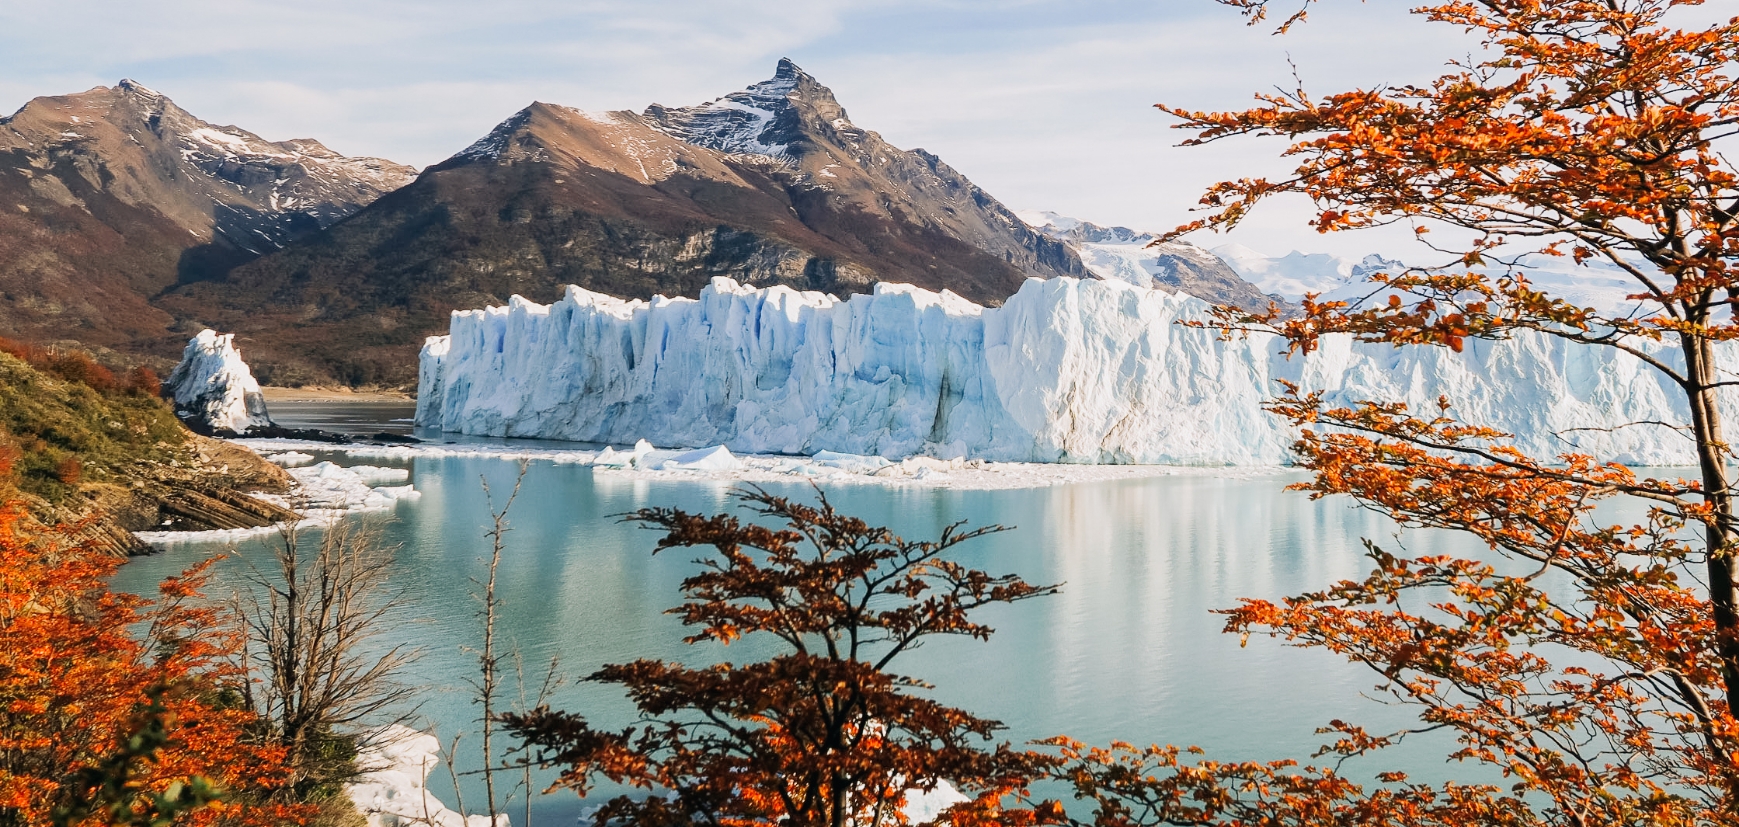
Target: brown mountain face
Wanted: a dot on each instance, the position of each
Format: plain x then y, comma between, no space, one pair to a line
112,196
771,185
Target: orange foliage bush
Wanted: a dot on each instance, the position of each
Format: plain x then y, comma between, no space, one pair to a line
144,381
69,471
77,366
74,683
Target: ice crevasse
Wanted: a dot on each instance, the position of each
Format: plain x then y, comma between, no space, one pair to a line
1064,371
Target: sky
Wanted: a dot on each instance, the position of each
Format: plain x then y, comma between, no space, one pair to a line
1046,104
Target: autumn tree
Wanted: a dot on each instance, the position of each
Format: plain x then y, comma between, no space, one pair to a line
1594,664
102,726
821,733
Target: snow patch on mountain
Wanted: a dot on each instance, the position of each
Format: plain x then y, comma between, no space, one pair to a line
213,389
1065,371
1292,275
491,146
1599,284
744,123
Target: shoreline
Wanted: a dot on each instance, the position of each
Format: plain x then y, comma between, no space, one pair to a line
275,394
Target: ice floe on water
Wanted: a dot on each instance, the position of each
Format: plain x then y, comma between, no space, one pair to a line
718,464
392,789
327,490
290,459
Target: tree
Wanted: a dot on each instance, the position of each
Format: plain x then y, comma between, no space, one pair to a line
820,733
99,726
310,628
486,687
1589,129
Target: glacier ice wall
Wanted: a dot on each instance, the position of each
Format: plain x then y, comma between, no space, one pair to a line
1065,371
213,387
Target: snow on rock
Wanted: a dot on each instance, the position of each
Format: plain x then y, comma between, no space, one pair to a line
392,789
1066,371
213,388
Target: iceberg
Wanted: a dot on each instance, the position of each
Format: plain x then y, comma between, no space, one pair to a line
1068,371
716,458
212,388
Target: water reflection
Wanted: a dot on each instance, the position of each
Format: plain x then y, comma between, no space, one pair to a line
1130,650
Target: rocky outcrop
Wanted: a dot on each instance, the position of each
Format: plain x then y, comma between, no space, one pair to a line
212,485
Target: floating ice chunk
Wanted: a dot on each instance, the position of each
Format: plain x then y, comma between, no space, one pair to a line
289,459
329,486
611,457
716,458
855,463
921,807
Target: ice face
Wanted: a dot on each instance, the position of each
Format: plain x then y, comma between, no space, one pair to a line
213,386
1065,371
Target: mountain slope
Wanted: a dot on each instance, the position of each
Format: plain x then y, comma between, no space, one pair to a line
111,196
1122,254
771,185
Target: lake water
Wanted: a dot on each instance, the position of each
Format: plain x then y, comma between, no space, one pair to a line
1130,649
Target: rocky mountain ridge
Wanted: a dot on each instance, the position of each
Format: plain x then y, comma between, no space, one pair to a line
111,196
1122,254
769,185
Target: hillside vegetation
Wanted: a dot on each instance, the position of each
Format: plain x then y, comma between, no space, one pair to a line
82,447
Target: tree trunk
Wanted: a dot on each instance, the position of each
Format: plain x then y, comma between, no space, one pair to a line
1718,525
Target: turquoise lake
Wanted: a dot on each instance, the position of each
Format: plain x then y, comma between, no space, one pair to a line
1130,650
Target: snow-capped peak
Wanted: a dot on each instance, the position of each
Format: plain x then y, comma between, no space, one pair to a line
1067,228
131,85
491,146
759,121
1045,219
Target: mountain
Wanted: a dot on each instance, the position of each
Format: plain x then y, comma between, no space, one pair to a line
772,185
111,196
1595,283
1122,254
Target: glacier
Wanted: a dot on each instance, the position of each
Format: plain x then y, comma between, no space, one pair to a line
213,388
1071,371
